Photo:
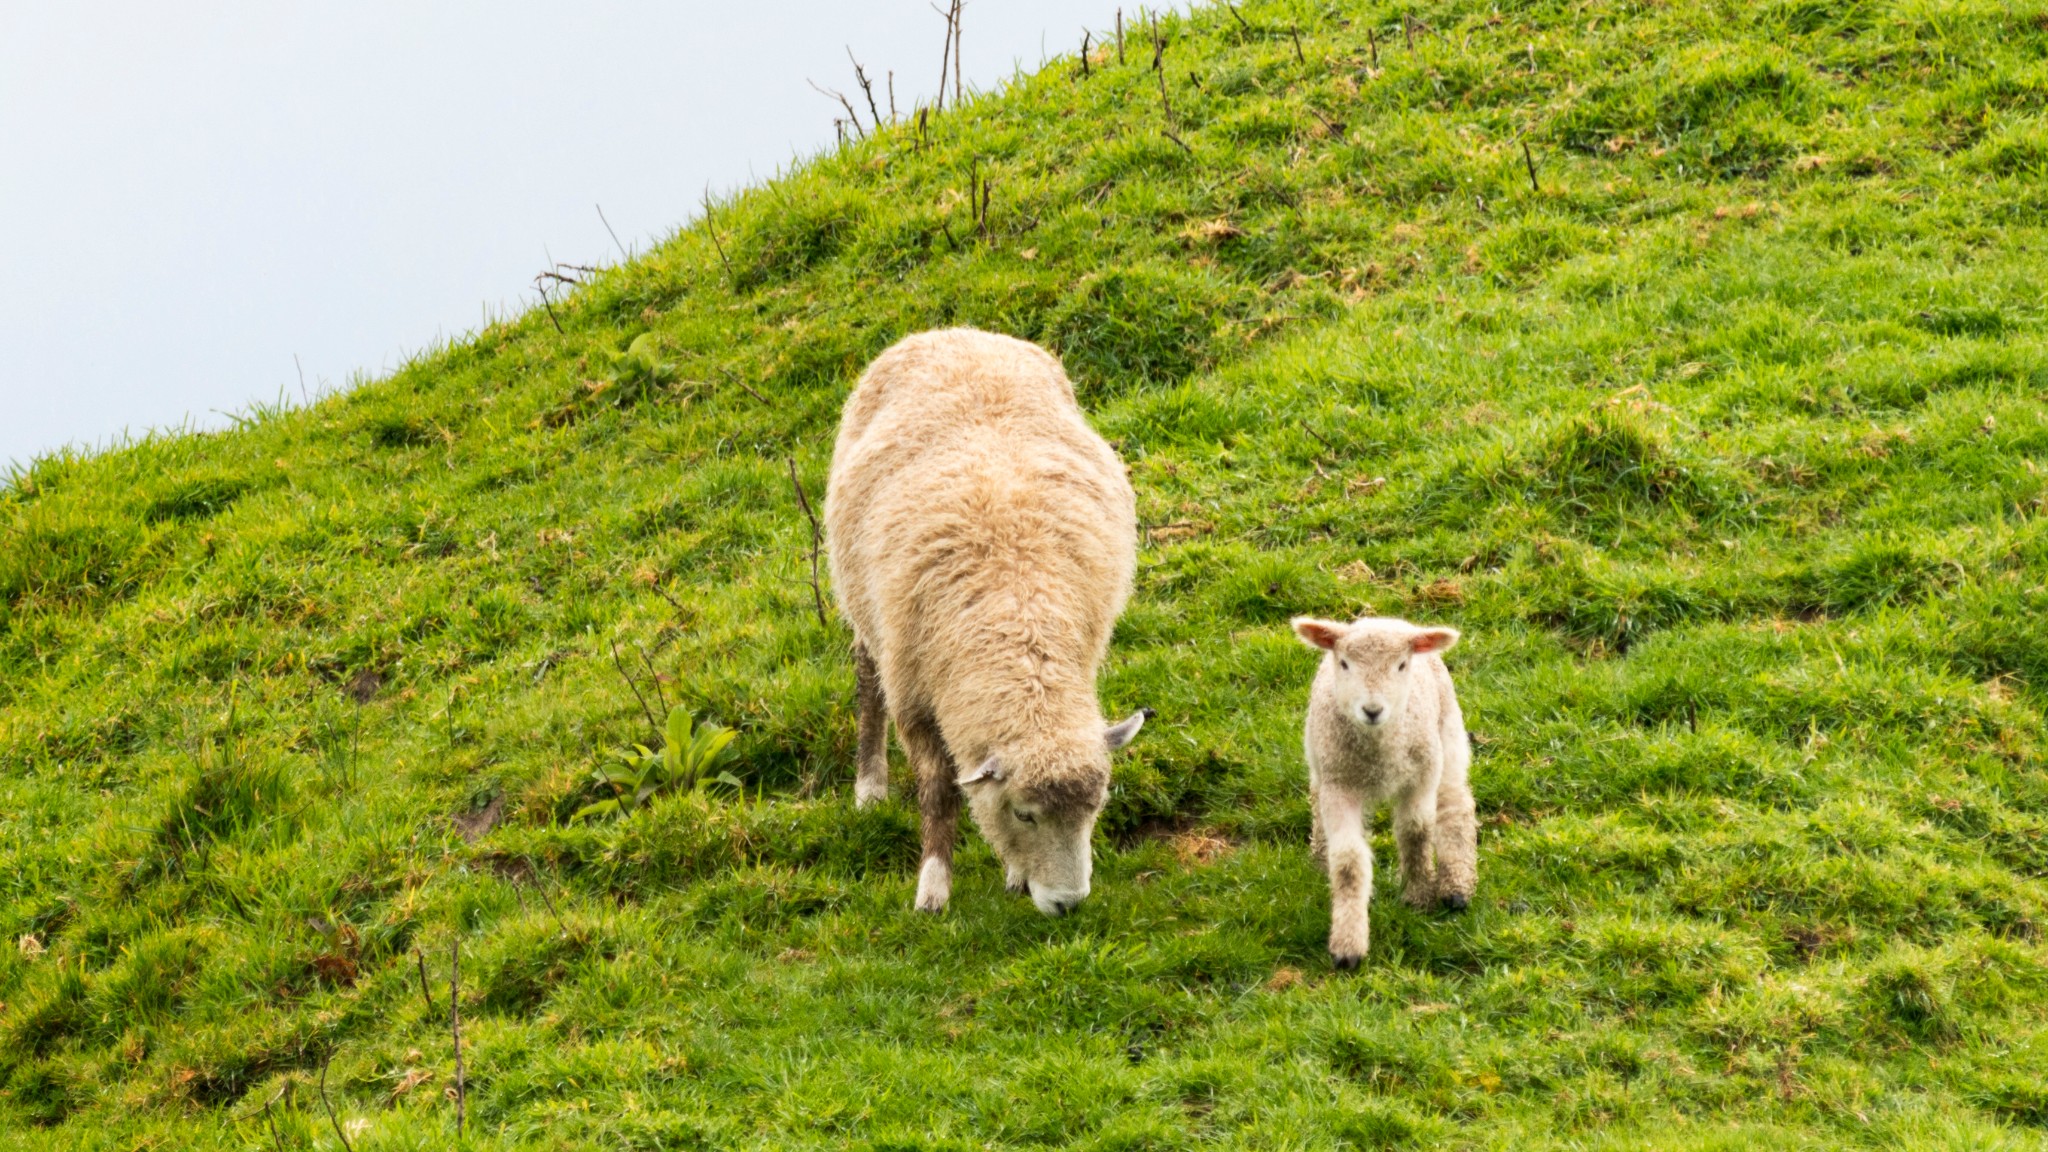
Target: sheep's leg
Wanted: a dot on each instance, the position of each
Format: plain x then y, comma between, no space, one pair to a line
1457,827
1349,859
1414,833
871,779
938,799
1317,849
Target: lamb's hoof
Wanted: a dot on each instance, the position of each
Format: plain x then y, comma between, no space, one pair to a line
934,886
1456,902
868,793
1345,963
1017,887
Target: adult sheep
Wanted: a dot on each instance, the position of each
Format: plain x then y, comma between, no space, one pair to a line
983,540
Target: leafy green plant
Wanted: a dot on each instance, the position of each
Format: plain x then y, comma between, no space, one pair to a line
685,761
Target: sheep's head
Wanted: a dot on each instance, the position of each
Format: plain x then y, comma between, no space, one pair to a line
1038,811
1372,662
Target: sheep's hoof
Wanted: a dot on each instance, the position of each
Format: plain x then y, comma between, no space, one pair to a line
1456,902
1345,963
868,792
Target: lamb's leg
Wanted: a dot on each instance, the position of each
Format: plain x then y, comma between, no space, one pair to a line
1317,849
1414,833
871,781
1349,859
1457,826
938,799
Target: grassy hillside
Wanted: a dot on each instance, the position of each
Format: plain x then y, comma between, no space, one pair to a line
1721,436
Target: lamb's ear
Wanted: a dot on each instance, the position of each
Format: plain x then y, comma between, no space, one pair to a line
990,772
1316,633
1433,640
1124,731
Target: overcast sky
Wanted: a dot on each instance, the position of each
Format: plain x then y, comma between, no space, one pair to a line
192,194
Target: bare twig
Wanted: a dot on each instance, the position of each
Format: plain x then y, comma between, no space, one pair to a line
548,304
833,94
426,992
946,55
1530,161
1241,22
541,884
302,378
1408,30
682,613
1296,33
1372,43
1119,36
654,678
272,1124
1320,438
1084,55
892,95
743,384
804,502
329,1105
861,77
1158,43
1168,133
557,277
711,226
1336,129
615,236
621,666
455,1027
923,133
959,92
1163,101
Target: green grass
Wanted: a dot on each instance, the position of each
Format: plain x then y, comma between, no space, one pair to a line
1724,446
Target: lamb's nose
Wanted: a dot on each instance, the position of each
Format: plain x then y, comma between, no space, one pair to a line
1372,713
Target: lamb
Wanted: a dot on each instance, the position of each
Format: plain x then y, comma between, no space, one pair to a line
983,540
1384,728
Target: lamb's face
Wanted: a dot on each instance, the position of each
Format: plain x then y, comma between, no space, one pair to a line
1040,818
1371,663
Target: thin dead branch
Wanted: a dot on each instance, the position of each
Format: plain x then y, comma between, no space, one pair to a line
623,254
652,723
275,1139
946,52
426,992
1295,32
834,94
325,1057
1119,37
1529,160
455,1028
861,77
804,502
542,288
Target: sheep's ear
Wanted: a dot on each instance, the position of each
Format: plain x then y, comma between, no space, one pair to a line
1124,731
1433,640
990,772
1316,633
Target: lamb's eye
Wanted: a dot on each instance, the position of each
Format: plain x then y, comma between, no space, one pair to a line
1403,667
1344,664
1024,817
